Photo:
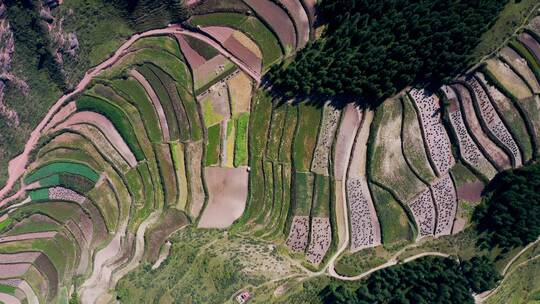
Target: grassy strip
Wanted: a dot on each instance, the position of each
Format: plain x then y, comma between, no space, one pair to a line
166,43
309,118
241,142
176,103
133,92
105,200
7,289
413,147
392,218
250,26
321,199
172,65
177,153
528,56
33,226
59,211
264,216
510,116
167,174
276,132
303,193
209,115
149,194
134,182
287,138
259,123
191,111
61,167
5,224
117,116
213,145
201,47
164,99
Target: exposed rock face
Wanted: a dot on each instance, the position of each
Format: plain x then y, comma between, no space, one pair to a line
64,43
7,47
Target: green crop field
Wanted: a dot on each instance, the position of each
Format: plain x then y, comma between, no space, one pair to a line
213,145
395,226
303,193
60,167
309,118
116,116
241,140
164,42
133,92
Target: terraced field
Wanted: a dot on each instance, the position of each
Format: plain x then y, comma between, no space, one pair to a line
175,130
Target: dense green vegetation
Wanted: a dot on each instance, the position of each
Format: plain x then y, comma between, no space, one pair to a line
511,215
373,49
426,280
148,14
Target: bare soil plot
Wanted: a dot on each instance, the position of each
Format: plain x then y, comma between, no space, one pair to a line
106,127
364,223
215,105
243,53
310,7
61,115
414,149
435,136
247,42
359,153
348,127
521,66
196,191
194,59
468,149
493,122
227,195
240,87
155,102
510,80
423,210
170,221
278,19
299,233
300,19
28,236
320,240
321,155
511,117
532,45
470,192
497,156
445,198
211,70
387,163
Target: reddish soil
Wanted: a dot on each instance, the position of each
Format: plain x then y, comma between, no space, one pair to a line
277,18
155,101
28,236
243,53
345,139
227,191
300,18
193,58
531,44
171,221
220,33
471,192
13,270
106,127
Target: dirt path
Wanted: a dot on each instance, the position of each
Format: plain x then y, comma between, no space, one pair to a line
17,165
482,297
139,248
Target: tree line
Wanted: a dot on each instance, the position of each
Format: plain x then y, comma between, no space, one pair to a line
371,50
425,280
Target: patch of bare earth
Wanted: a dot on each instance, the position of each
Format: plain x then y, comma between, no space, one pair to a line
227,195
